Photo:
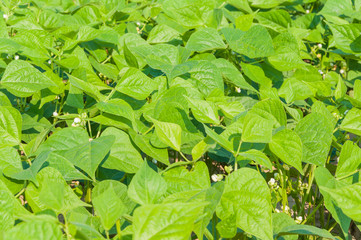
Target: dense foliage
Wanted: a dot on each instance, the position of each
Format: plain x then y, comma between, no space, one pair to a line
180,119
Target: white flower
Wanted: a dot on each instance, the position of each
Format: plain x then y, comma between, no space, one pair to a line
277,210
271,182
49,61
287,208
154,161
307,11
5,16
138,23
238,89
320,71
342,71
77,120
298,219
214,178
16,57
55,114
319,45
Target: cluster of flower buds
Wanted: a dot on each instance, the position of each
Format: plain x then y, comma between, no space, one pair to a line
79,121
299,219
302,186
217,177
273,183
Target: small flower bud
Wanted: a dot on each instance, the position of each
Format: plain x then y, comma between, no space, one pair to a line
55,114
5,16
342,71
271,182
154,161
307,11
16,57
214,178
319,45
91,139
49,61
77,120
298,219
74,125
238,89
320,71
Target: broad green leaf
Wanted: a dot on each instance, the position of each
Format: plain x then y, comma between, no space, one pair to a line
10,126
179,179
205,39
107,202
349,160
161,34
204,111
10,161
143,143
348,198
287,145
136,84
352,121
222,141
165,221
277,19
347,37
53,192
23,80
256,128
271,109
206,77
123,155
129,57
117,107
36,229
89,155
247,196
254,43
188,13
256,74
257,156
280,221
169,133
29,173
87,87
293,89
316,136
147,186
325,179
306,230
231,74
320,107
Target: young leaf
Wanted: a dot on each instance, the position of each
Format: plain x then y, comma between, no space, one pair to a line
129,57
205,39
23,80
169,133
247,191
316,136
10,126
136,84
287,145
123,155
107,203
174,220
352,122
147,186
